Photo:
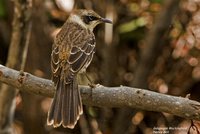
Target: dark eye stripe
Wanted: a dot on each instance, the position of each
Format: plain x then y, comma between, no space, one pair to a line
88,18
91,18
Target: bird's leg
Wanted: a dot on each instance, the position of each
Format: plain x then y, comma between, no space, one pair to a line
91,84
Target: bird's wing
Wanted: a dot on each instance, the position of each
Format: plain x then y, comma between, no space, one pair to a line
70,57
81,54
55,63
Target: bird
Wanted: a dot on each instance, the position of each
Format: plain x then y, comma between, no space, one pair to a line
72,52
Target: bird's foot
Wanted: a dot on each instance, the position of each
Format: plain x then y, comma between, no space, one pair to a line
92,85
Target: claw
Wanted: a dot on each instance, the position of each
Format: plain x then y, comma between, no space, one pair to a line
92,85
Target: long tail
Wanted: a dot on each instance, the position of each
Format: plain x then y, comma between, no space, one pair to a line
66,107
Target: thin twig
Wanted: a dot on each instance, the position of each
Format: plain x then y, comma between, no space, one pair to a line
194,127
19,42
25,51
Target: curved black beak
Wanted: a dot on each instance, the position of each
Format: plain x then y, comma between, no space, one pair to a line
106,20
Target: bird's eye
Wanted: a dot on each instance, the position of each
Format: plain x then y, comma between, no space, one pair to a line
91,18
88,18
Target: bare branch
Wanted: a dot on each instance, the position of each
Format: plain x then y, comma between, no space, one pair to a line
107,96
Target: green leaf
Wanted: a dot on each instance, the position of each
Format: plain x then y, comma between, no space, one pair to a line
2,9
132,25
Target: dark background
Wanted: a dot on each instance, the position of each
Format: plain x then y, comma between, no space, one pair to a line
172,64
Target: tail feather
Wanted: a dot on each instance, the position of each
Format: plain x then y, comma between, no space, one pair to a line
67,104
72,111
80,108
58,105
66,107
51,112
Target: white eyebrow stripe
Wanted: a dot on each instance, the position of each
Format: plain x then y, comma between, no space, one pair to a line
77,19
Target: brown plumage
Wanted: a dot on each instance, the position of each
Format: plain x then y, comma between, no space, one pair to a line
72,53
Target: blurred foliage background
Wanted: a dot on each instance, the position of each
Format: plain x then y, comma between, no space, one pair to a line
174,67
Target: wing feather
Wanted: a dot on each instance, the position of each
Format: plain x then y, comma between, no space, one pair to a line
71,56
80,56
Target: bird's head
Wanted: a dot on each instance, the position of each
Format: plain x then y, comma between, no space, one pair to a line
87,18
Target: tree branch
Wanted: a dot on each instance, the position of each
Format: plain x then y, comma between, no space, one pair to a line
107,96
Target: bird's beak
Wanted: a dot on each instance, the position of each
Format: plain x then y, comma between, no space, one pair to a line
105,20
